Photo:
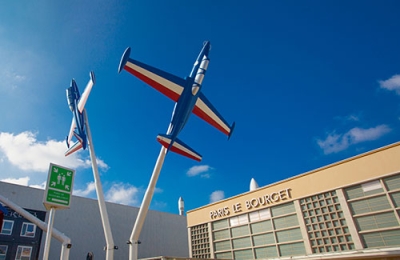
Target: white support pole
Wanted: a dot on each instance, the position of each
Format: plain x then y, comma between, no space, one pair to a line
48,235
66,241
134,239
100,196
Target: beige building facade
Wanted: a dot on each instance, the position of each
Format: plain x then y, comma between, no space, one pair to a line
346,210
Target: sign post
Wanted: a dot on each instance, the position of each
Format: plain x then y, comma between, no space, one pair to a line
57,195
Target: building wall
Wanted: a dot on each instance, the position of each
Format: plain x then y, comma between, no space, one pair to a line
350,206
19,237
162,233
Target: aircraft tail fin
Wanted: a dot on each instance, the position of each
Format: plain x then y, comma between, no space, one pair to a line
178,147
80,139
232,127
75,147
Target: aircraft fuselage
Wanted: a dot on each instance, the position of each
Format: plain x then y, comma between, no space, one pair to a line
186,102
73,98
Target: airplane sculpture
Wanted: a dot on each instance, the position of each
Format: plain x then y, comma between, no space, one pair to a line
187,95
77,103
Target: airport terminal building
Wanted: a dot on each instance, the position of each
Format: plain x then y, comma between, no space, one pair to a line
347,210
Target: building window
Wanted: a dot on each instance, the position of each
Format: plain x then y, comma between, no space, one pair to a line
219,224
292,249
381,239
260,215
374,209
363,190
221,234
3,252
265,252
325,223
7,227
23,253
377,221
239,220
261,227
241,242
283,209
393,182
225,255
200,241
240,231
28,230
243,254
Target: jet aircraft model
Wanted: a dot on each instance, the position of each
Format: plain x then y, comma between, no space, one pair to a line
77,103
186,93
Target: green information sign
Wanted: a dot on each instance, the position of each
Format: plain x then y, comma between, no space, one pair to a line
59,187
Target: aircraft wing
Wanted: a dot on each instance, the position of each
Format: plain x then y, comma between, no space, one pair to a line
86,92
71,131
166,83
206,111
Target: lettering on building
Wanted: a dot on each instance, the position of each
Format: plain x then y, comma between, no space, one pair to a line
253,203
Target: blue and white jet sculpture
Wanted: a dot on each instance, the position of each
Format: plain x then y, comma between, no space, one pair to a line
77,103
187,95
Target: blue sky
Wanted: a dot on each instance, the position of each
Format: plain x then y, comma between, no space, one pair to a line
308,83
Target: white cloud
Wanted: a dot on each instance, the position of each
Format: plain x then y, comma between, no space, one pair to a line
338,142
352,117
391,84
158,190
217,196
25,152
123,194
12,78
20,181
83,193
41,186
200,169
24,181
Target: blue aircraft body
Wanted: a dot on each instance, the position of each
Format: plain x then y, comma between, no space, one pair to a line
77,103
185,92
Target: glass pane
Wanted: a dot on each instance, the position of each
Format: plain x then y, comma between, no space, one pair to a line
284,222
222,234
261,226
396,199
380,239
265,252
364,189
223,245
254,216
263,239
243,254
369,205
3,251
241,242
28,230
226,255
7,227
288,235
383,220
219,224
282,209
240,231
265,214
292,249
393,182
243,219
23,253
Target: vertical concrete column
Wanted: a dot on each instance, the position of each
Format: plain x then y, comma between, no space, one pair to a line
303,227
349,219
